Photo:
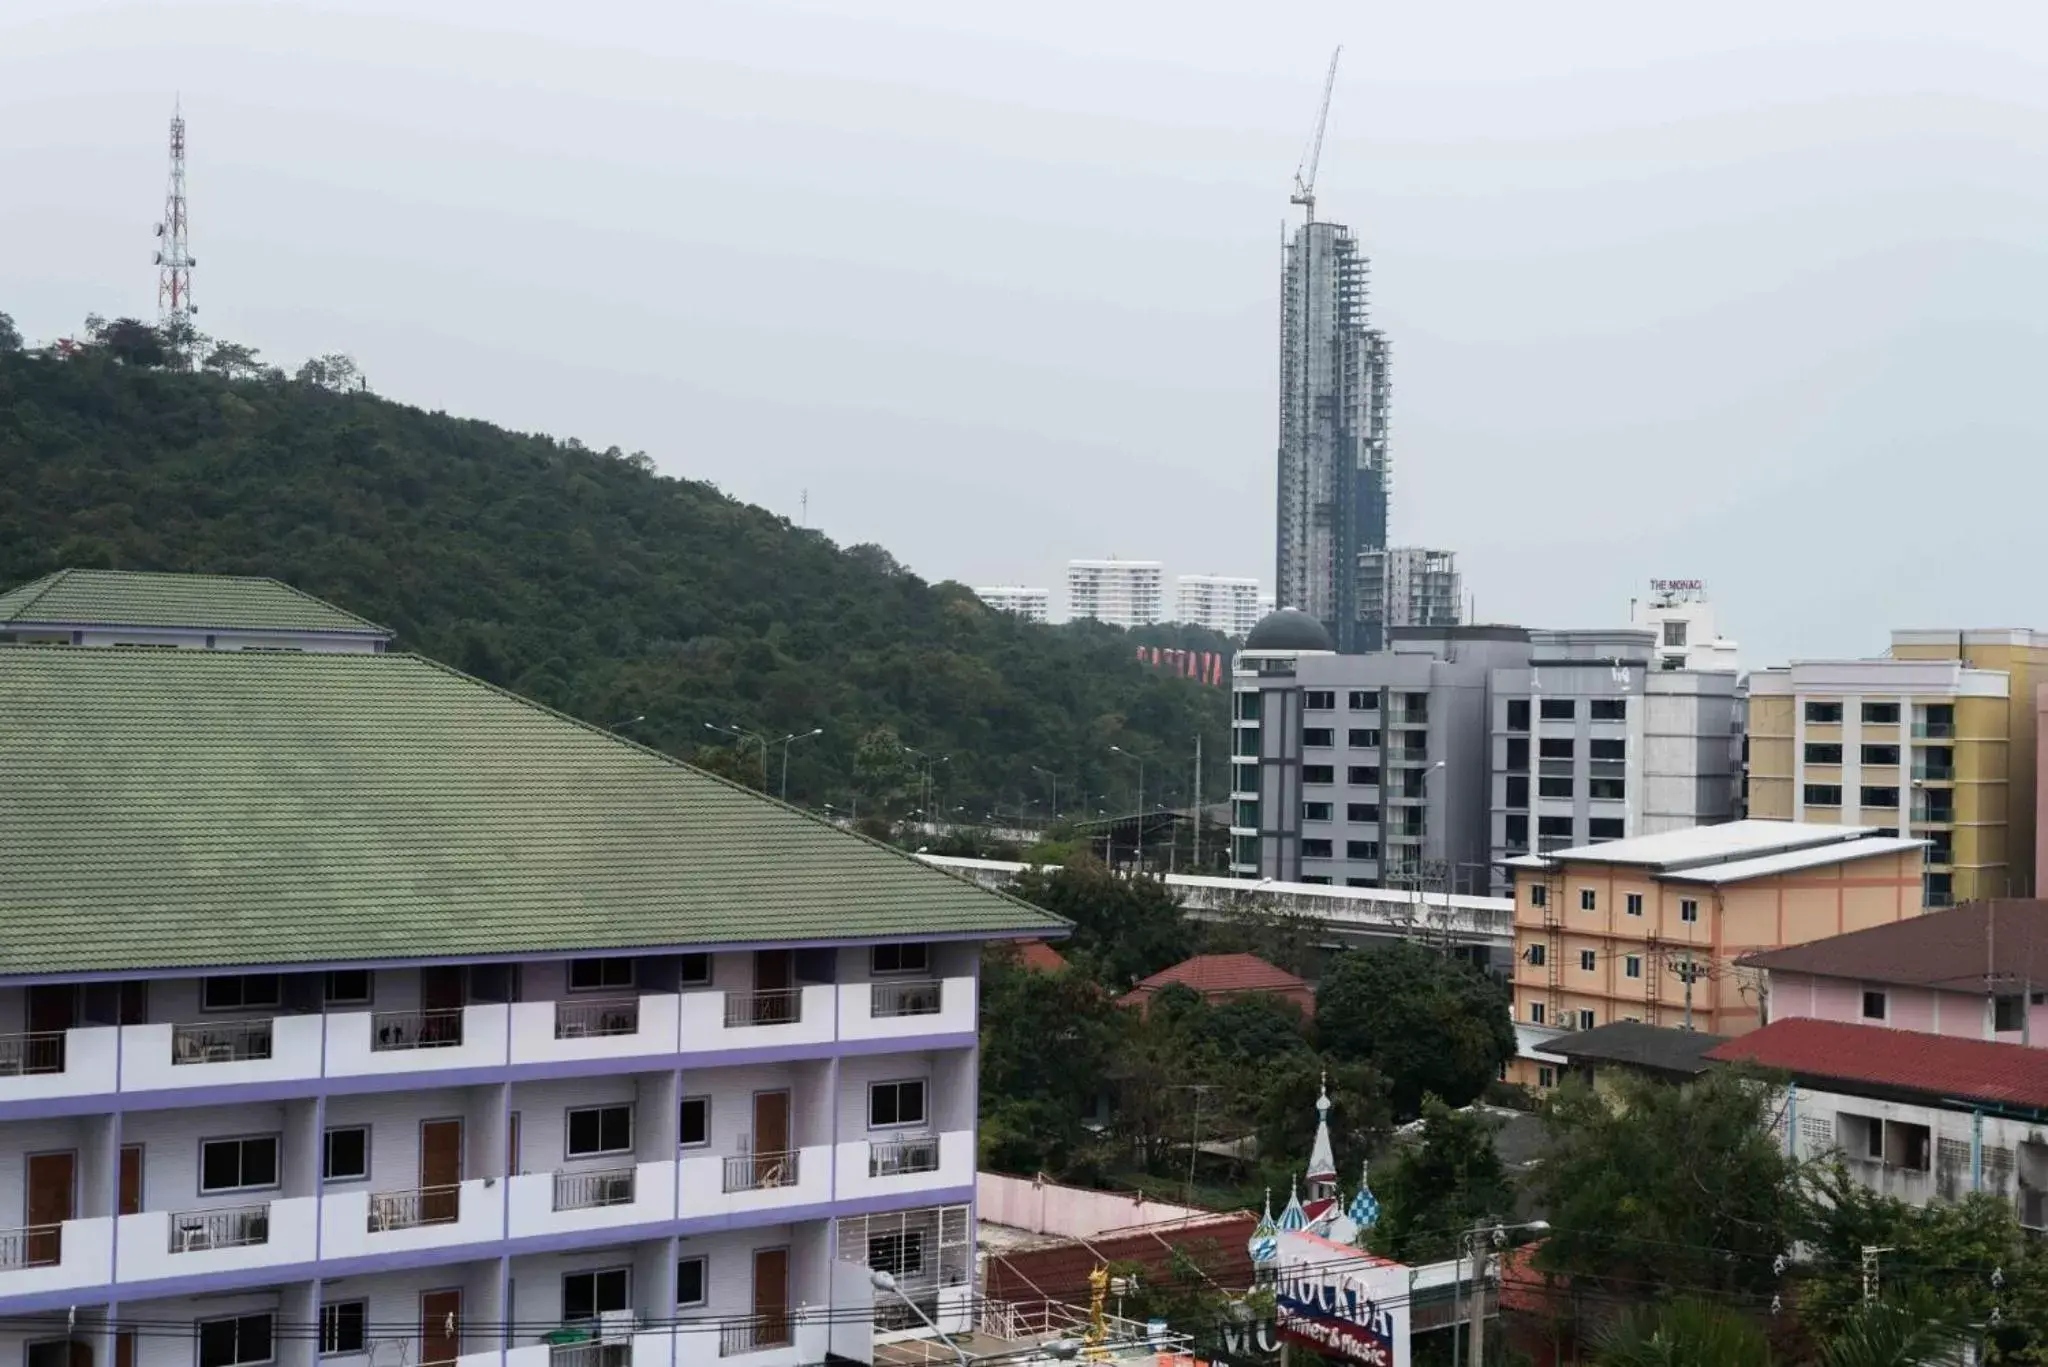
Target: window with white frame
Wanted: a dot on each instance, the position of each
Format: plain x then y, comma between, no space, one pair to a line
1633,903
1874,1004
600,975
245,1163
1536,1013
1688,910
342,1327
598,1130
1632,966
909,958
695,1130
249,992
345,1154
237,1341
1587,960
692,1279
892,1105
589,1295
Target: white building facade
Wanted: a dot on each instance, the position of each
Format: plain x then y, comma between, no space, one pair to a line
1033,605
1123,593
1677,613
1223,604
408,1028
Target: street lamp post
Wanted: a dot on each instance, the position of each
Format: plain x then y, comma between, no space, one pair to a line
929,763
1140,841
785,744
743,736
1055,781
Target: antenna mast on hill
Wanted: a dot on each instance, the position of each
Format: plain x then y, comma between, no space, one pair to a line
174,255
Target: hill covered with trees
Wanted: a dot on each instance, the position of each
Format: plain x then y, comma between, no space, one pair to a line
584,579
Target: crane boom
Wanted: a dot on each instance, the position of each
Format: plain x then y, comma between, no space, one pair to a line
1312,155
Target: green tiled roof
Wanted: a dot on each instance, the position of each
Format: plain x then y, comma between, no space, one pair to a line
162,809
122,598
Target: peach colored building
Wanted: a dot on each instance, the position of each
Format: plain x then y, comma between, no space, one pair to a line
1650,929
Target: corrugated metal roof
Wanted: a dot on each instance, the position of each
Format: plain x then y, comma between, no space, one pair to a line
172,808
1849,1056
123,598
1710,844
1791,861
1951,950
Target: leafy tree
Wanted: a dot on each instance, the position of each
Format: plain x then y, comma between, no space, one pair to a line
1432,1024
1920,1330
1283,939
1125,929
333,371
556,569
1437,1189
130,341
233,361
1651,1186
742,766
881,768
10,336
1682,1333
1047,1043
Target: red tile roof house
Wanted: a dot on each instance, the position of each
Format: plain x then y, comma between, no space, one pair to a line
1220,978
1921,1117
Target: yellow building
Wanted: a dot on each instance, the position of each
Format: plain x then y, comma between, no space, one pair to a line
1649,929
1935,741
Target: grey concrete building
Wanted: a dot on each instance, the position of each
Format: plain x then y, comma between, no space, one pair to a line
1366,770
1592,740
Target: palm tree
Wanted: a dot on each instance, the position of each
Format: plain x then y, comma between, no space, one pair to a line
1683,1333
1915,1333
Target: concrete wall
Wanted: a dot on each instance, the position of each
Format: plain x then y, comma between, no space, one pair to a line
1071,1212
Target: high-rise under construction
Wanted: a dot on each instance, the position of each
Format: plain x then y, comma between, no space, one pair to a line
1333,417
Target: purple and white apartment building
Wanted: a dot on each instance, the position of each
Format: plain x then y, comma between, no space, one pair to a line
355,1012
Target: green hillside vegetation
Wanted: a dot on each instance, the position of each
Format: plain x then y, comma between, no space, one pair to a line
583,579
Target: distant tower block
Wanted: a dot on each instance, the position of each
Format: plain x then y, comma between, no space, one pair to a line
174,253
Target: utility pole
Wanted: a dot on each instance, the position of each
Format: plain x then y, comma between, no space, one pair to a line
1198,803
1195,1129
1476,1318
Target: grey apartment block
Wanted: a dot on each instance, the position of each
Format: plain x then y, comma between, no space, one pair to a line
1368,770
1591,742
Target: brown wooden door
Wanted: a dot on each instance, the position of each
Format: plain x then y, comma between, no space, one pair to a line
131,1181
51,1011
52,1194
124,1349
774,1003
442,988
771,1297
440,1326
772,1161
440,1171
135,1008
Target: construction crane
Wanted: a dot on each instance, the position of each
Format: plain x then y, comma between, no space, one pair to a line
1305,170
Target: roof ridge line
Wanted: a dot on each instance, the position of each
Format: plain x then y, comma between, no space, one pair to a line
48,582
666,758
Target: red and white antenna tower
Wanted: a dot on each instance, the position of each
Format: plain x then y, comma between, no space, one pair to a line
174,255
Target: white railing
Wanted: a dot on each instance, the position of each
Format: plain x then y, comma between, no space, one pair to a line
589,1019
781,1007
390,1210
906,997
227,1227
31,1246
761,1171
897,1157
439,1029
590,1354
221,1041
40,1051
593,1190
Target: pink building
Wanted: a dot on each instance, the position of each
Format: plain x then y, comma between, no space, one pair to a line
1978,971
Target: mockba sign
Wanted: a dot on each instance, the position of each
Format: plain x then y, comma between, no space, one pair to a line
1343,1301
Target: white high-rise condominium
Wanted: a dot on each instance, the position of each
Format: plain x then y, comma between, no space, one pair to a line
1220,603
1124,593
1033,605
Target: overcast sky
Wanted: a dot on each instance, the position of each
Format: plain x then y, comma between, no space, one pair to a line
1753,292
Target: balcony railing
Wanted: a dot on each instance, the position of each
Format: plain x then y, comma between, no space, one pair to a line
906,997
1943,815
1940,773
391,1210
39,1052
593,1190
761,1171
900,1157
441,1029
753,1335
591,1019
221,1041
1934,730
227,1227
781,1007
31,1246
